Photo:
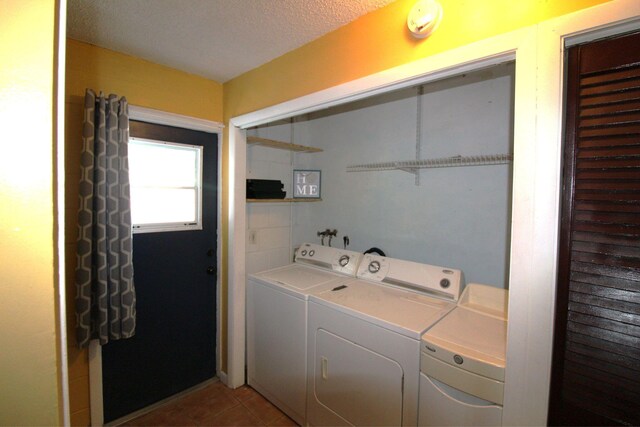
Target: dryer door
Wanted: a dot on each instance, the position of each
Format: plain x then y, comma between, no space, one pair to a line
360,386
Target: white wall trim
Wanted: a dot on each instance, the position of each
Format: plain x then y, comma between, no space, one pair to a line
60,76
219,373
223,378
522,267
95,383
236,262
171,119
537,155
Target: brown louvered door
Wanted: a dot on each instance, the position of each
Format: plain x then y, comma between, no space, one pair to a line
596,359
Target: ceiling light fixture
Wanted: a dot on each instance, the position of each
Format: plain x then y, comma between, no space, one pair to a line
424,18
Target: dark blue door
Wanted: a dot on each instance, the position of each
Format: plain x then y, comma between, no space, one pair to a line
175,280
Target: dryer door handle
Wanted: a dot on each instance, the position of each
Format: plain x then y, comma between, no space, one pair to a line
323,368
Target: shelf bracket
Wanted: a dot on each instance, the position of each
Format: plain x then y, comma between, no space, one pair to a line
413,171
416,172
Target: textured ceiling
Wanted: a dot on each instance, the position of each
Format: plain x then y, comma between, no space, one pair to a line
217,39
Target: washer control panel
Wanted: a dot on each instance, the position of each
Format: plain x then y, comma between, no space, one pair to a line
346,261
334,259
373,267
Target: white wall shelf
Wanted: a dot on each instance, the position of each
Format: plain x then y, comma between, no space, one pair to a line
412,166
271,143
282,200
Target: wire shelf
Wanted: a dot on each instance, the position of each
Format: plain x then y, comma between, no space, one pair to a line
411,166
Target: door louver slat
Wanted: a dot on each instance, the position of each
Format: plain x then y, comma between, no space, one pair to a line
606,288
590,79
597,375
623,151
610,98
619,162
607,228
608,217
603,315
626,197
585,363
610,349
609,142
601,88
632,105
604,249
606,406
611,174
618,118
613,391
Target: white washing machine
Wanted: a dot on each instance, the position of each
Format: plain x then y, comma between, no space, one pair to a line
463,362
364,341
277,322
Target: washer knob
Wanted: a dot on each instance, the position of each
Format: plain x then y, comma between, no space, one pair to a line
312,252
458,359
374,266
304,252
445,283
344,260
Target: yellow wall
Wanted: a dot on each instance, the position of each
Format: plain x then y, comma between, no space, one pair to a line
28,351
379,41
143,84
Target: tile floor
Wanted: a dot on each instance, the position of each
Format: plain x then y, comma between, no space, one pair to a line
215,405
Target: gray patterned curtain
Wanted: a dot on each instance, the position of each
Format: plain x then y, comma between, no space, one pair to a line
106,299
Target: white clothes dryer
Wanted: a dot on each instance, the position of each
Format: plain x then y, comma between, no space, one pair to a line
364,341
277,322
463,362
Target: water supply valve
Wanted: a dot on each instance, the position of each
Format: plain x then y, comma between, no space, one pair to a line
327,233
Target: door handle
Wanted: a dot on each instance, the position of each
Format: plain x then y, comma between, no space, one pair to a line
211,270
324,368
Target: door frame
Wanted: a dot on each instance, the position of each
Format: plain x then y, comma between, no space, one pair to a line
539,54
95,350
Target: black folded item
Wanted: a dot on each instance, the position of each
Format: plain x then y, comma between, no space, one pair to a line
265,189
271,185
252,194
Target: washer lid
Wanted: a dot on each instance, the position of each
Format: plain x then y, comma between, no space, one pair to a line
404,312
479,341
297,277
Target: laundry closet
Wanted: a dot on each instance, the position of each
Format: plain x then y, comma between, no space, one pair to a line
422,177
457,216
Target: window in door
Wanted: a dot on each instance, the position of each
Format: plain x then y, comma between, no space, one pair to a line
166,189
